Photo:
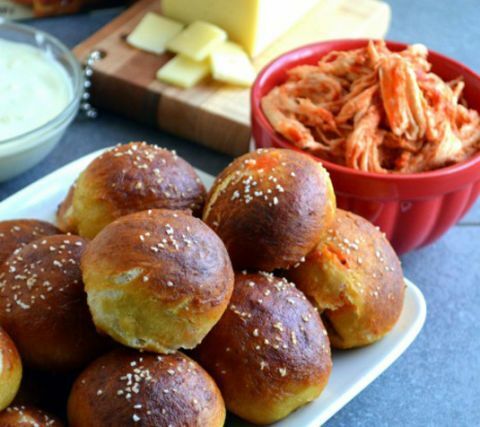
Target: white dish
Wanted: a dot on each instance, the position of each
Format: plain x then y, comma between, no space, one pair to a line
353,370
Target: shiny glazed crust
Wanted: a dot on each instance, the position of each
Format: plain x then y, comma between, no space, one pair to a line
43,304
10,370
269,354
355,279
127,388
157,280
270,208
130,178
27,416
19,232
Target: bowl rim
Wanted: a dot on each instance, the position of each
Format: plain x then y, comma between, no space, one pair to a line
76,79
257,112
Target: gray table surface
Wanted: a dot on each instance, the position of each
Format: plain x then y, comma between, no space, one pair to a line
437,381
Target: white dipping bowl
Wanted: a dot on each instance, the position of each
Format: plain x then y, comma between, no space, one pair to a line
23,151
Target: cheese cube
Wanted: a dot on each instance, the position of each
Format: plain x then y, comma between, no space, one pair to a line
184,72
153,32
254,24
197,40
231,64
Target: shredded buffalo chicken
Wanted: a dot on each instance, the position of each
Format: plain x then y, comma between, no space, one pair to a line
375,110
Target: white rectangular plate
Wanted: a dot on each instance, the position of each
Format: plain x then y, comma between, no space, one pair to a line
353,370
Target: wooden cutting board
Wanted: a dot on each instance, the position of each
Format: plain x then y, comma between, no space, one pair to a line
211,113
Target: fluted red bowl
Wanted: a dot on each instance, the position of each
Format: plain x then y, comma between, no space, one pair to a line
412,209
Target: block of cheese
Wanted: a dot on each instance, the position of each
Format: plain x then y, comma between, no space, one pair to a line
183,71
231,64
197,40
153,32
254,24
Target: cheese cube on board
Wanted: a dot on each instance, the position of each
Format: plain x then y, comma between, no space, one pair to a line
153,32
184,72
231,64
254,24
197,40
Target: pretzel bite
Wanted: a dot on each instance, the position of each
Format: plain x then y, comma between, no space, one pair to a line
65,218
127,179
269,354
157,280
27,416
18,232
355,279
127,388
43,304
270,208
10,370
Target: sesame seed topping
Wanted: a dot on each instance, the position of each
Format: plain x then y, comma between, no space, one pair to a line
294,338
278,326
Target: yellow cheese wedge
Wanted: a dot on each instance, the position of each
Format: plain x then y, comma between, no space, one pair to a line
231,64
153,32
184,72
197,40
254,24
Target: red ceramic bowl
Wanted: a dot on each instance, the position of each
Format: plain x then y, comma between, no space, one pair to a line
412,209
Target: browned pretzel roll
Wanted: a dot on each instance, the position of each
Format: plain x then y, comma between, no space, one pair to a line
129,178
269,354
27,416
65,217
10,370
157,280
355,279
18,232
127,388
270,207
43,305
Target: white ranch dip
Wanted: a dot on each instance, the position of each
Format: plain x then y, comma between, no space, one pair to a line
34,88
